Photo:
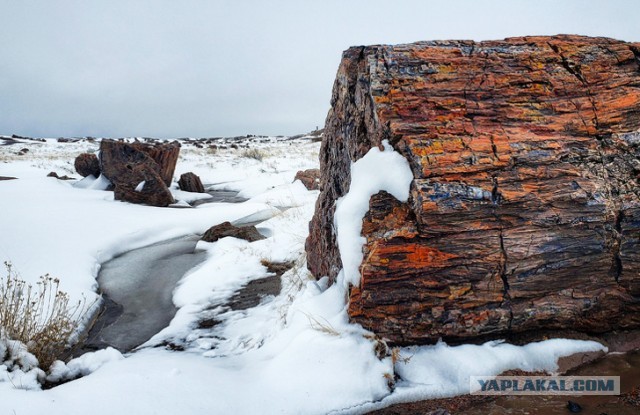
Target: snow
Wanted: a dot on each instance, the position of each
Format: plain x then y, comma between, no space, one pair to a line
83,365
188,197
140,186
18,368
441,371
90,182
294,352
376,171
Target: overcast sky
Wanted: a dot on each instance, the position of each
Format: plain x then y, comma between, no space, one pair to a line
180,68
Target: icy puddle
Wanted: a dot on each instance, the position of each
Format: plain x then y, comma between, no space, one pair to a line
139,289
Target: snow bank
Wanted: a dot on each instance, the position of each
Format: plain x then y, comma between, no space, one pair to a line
18,368
441,371
83,365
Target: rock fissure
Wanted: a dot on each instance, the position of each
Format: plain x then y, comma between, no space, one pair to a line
617,267
575,70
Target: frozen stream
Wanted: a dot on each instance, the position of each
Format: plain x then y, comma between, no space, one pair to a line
138,285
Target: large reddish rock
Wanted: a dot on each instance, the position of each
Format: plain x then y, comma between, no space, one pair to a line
524,211
141,173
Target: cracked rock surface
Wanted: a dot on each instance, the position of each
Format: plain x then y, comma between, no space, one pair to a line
524,211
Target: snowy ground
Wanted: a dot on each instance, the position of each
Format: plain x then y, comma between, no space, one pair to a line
293,353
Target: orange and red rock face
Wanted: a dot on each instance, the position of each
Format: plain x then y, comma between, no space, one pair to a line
524,211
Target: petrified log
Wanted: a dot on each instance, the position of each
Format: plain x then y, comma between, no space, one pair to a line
524,211
164,154
310,178
139,172
87,164
190,182
225,229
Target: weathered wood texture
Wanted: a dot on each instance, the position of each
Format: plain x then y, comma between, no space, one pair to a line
524,211
190,182
128,165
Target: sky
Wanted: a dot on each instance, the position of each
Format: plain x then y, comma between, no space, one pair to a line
168,68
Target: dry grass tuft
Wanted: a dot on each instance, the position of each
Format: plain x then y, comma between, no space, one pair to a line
40,317
254,153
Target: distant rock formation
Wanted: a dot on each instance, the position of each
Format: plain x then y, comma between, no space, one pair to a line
140,172
524,211
87,164
190,182
310,178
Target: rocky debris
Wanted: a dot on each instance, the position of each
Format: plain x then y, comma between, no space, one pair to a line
190,182
140,172
310,178
7,178
633,397
248,233
524,211
442,406
277,268
87,164
252,294
54,174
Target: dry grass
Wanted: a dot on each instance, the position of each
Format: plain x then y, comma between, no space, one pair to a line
40,317
254,153
322,326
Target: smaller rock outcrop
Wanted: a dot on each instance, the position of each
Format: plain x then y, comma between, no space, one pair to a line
7,178
141,173
248,233
87,164
310,178
190,182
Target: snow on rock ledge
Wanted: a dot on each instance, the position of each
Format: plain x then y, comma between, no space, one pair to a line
376,171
